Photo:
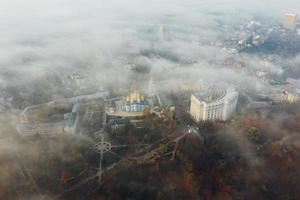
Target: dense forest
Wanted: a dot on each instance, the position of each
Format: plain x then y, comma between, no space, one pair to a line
254,156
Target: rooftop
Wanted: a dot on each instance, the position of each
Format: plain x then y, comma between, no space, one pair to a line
215,94
211,95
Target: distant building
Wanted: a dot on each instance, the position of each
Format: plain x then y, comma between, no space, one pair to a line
289,21
161,32
253,34
192,86
283,94
261,82
217,104
292,92
234,63
288,92
290,96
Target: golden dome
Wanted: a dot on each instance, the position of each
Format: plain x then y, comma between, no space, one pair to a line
135,96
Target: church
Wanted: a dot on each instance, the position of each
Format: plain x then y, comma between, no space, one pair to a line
135,102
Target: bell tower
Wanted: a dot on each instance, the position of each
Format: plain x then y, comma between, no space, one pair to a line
151,88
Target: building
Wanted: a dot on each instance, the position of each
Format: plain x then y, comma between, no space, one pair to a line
262,81
161,32
135,102
289,21
291,93
73,120
215,104
118,123
49,119
128,110
253,34
283,92
290,96
192,86
130,106
151,88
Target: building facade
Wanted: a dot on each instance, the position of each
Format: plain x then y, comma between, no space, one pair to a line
217,104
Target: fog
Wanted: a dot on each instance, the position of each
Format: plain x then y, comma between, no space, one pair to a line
173,41
39,38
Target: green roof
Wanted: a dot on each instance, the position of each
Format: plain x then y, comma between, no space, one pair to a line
123,120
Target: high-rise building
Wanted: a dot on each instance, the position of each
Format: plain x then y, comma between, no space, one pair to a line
289,21
216,104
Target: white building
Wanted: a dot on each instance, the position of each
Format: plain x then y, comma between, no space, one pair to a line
151,88
216,104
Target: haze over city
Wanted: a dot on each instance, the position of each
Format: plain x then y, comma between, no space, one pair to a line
149,100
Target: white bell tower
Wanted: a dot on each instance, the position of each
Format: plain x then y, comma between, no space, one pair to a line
151,88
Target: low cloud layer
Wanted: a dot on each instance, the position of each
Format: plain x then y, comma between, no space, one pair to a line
39,38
